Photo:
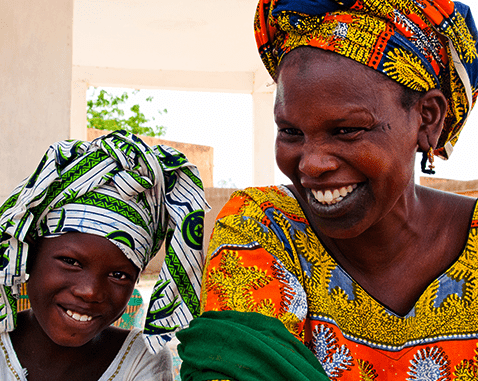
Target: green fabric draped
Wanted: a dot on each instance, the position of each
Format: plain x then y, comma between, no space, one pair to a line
244,346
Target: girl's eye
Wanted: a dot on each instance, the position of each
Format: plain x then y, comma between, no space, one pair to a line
71,261
119,275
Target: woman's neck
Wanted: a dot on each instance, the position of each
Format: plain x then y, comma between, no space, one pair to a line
398,257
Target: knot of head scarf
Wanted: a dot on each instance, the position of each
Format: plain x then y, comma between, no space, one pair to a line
421,44
119,188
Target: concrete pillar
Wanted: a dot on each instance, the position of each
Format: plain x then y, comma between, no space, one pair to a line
35,81
78,110
263,139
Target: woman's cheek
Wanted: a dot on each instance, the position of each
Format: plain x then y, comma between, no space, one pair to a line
285,159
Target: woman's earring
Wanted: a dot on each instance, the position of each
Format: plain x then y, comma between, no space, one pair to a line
428,156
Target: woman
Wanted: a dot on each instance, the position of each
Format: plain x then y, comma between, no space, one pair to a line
80,230
373,273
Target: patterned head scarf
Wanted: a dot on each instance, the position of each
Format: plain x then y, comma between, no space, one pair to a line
421,44
119,188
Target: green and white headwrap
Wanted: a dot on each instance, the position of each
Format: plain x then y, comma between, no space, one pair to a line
119,188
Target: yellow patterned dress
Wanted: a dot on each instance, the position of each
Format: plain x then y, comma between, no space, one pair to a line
264,257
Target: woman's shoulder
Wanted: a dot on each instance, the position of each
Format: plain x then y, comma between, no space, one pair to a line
250,200
451,220
444,202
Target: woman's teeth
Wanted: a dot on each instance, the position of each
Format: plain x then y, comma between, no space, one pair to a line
332,196
77,316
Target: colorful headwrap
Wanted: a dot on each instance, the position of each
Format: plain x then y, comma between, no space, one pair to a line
119,188
421,44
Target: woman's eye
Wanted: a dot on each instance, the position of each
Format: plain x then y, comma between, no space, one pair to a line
348,130
119,275
291,131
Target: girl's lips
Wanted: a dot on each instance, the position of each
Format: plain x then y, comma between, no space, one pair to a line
77,316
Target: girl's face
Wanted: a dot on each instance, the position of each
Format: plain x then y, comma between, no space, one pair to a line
79,285
344,140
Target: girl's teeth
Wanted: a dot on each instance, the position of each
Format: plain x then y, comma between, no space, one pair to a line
77,316
343,192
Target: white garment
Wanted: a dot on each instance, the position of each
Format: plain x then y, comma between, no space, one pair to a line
133,362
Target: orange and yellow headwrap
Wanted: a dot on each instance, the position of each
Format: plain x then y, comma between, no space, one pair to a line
421,44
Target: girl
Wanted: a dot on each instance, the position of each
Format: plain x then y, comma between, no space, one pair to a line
80,229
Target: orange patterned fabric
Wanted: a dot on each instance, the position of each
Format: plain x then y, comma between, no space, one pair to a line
264,257
421,44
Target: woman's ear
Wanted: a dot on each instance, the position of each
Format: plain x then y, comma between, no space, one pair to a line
432,107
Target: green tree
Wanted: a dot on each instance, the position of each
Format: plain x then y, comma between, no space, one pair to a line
106,112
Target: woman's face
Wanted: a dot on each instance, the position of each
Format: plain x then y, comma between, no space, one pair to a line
79,285
343,139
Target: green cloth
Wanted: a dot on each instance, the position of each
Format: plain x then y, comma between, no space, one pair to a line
244,346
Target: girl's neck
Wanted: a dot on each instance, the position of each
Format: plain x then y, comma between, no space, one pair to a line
46,360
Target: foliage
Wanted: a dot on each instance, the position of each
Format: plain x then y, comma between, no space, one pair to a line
226,184
106,112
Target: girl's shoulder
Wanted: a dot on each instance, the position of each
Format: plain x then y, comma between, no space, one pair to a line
10,367
134,361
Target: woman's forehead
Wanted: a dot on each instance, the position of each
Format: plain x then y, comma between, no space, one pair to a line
305,59
327,77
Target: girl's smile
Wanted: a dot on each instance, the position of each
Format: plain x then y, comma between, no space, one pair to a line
79,285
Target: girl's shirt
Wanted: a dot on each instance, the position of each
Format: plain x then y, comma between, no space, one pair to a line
133,362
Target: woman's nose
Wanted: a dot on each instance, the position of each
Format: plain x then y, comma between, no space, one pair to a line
89,288
316,161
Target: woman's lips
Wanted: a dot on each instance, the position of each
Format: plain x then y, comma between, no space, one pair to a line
333,196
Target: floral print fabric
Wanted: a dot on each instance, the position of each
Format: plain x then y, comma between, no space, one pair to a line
264,257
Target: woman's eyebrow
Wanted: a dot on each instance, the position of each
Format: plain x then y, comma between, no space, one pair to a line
351,113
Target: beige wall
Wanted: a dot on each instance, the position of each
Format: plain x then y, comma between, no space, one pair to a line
200,156
466,188
35,82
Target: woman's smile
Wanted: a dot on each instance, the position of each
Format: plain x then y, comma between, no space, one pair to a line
343,139
338,205
333,196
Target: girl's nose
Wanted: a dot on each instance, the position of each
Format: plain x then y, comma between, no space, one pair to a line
90,289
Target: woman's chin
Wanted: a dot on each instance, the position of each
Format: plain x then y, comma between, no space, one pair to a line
347,218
